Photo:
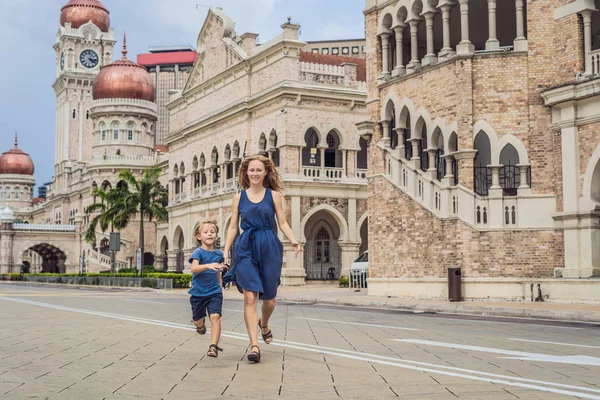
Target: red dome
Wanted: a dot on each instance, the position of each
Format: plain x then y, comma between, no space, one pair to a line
123,79
79,12
16,161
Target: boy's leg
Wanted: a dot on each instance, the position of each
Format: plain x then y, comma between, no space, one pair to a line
215,307
198,313
215,328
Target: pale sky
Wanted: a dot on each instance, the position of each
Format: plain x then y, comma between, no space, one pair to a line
28,29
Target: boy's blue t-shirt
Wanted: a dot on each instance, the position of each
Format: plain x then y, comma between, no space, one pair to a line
206,282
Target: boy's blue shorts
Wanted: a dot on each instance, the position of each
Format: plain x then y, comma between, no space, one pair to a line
212,304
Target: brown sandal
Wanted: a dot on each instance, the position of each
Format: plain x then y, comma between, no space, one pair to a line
254,356
267,337
213,350
201,330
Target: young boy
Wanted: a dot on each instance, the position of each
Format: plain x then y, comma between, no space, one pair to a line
206,294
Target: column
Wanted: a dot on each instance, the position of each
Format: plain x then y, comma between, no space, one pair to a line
587,40
400,147
385,55
520,42
66,125
399,70
414,63
322,159
432,156
416,156
430,58
465,46
344,163
293,272
446,51
81,122
385,126
495,176
523,172
492,42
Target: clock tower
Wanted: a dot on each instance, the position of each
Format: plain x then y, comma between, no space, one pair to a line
84,44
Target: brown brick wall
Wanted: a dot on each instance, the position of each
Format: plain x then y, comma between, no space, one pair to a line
418,244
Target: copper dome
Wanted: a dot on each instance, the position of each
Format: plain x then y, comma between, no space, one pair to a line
123,79
16,161
79,12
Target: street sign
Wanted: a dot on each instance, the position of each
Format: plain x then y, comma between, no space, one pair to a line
115,241
139,260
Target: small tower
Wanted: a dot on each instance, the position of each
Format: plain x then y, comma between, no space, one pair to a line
123,112
84,44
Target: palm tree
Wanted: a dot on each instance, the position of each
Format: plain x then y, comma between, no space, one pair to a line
145,197
110,212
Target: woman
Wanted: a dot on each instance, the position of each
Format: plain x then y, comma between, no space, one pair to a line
258,253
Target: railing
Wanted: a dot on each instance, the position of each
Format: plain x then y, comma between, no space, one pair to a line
117,102
105,260
594,57
155,283
483,180
323,173
230,184
44,227
440,165
361,173
510,179
122,158
322,69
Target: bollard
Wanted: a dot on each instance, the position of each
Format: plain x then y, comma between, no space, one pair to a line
454,284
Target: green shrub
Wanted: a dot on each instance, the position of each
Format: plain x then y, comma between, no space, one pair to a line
127,271
12,277
179,280
343,281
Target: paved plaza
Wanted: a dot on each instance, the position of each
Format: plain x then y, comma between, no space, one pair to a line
59,343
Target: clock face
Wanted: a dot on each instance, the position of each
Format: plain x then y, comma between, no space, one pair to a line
62,61
88,58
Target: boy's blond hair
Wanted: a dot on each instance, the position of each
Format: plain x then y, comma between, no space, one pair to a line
201,224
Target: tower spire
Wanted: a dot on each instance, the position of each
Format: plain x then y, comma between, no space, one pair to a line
124,51
16,140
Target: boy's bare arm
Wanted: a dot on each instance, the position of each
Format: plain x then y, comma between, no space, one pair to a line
197,267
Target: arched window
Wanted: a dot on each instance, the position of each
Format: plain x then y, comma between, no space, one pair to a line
407,136
228,163
510,179
361,157
216,170
311,154
262,145
115,130
333,156
273,150
102,131
17,193
483,158
130,129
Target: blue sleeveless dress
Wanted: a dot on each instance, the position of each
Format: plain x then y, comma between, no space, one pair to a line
257,252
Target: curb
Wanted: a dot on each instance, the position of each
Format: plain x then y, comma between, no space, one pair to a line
459,309
81,287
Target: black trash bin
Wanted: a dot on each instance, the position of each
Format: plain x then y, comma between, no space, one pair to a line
454,284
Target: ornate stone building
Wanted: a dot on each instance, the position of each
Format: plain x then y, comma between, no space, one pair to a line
104,123
298,109
485,142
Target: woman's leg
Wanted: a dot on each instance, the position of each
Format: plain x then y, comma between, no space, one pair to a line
250,317
268,306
